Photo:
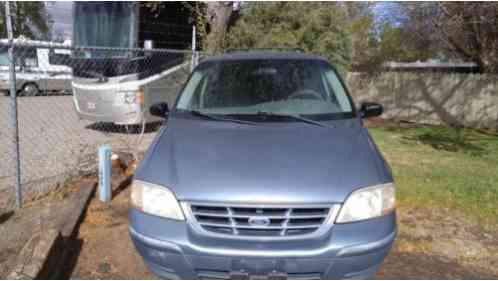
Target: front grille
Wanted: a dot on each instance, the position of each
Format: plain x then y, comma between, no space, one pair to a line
259,221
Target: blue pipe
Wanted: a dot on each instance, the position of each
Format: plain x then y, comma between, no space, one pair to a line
105,192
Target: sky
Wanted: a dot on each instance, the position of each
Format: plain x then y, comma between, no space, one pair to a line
383,11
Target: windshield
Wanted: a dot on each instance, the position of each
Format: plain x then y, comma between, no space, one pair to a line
308,88
104,24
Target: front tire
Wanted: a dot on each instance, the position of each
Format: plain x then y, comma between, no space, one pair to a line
29,90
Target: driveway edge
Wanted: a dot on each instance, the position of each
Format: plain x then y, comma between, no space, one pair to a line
43,255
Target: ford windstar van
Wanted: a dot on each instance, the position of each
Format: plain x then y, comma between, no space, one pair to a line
264,170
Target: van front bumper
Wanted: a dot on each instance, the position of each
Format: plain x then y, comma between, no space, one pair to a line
172,250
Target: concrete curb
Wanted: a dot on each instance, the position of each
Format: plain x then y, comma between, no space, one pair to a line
43,255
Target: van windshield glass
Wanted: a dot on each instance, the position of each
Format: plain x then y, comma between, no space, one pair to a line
104,24
246,88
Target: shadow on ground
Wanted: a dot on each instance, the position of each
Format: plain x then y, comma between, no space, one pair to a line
106,127
448,141
451,139
73,252
5,216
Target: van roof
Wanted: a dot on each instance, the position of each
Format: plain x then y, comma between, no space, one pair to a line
262,55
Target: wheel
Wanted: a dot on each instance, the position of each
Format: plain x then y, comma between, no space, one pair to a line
29,90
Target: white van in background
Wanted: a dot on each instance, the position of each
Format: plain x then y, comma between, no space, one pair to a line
35,72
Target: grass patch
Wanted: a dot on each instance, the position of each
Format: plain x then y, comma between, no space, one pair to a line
440,166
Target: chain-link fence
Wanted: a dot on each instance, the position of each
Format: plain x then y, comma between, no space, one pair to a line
70,100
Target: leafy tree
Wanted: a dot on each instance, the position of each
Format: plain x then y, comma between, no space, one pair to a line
362,27
469,31
212,20
399,44
29,19
466,31
319,28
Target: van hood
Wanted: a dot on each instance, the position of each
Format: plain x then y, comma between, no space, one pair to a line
291,162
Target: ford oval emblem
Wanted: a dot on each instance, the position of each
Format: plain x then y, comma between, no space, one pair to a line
259,221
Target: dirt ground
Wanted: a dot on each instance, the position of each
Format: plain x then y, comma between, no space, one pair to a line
19,227
432,244
103,249
441,244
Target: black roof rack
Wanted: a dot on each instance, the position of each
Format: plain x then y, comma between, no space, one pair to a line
279,49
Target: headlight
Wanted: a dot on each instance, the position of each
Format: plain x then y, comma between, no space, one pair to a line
367,203
155,200
132,97
129,97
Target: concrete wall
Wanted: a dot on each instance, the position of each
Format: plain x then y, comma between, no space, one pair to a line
439,98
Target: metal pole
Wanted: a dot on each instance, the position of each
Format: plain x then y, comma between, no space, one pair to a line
193,62
13,105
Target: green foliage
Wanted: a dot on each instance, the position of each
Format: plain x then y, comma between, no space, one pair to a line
399,44
457,30
29,19
318,28
362,27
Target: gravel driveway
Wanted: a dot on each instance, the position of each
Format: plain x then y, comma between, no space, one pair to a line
54,143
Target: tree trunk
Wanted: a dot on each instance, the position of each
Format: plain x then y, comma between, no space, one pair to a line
218,17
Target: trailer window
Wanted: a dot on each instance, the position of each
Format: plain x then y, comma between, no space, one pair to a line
29,57
26,57
4,58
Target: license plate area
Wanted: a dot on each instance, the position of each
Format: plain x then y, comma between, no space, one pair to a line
247,268
239,275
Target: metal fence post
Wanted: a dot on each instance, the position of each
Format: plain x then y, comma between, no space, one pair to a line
13,106
194,57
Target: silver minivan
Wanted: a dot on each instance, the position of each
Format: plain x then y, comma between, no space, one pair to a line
264,170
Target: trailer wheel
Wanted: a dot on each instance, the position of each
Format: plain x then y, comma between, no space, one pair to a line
29,90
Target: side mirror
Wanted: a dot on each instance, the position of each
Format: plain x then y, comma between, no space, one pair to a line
159,109
370,109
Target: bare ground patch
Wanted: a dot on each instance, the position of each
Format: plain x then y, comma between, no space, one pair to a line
440,243
106,250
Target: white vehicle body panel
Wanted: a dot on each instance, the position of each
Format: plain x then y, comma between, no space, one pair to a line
106,101
46,76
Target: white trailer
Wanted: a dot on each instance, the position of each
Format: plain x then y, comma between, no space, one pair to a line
36,73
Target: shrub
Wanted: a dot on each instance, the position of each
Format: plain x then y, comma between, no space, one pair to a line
318,28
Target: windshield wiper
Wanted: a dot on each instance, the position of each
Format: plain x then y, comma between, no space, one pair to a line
292,116
219,118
